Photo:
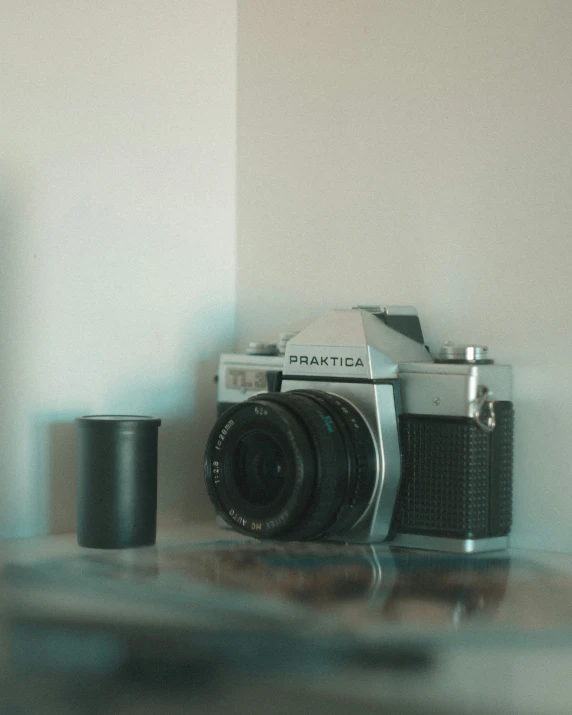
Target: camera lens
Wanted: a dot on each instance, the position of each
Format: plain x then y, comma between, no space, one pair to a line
259,468
294,465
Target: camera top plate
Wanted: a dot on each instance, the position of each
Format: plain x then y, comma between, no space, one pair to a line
350,344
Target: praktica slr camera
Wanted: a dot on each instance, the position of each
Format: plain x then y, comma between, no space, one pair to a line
356,434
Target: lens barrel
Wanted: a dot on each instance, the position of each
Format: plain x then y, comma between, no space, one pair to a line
297,465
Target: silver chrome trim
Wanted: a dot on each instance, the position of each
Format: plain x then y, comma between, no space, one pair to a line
452,390
269,349
468,353
376,521
442,543
400,310
388,309
350,343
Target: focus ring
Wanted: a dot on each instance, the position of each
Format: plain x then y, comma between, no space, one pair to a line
332,466
361,451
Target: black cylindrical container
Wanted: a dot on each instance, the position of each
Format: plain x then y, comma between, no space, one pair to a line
117,481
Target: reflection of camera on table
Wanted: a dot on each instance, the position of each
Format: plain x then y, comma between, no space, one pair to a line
360,584
358,435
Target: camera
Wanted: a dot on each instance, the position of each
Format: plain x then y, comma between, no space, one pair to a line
356,434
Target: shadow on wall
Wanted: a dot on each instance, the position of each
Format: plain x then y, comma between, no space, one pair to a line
62,471
54,451
181,451
187,408
22,493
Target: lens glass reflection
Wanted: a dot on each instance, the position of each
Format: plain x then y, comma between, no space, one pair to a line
258,468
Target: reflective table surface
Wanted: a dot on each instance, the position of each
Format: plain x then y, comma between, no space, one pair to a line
207,621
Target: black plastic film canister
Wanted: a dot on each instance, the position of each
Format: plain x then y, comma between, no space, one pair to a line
117,481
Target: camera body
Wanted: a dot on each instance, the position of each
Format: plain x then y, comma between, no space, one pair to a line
356,434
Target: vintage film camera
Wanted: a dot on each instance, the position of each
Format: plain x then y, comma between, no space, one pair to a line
356,434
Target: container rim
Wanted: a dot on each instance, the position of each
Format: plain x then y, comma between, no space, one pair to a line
115,419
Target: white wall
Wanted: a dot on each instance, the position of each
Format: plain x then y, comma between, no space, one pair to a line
420,153
117,237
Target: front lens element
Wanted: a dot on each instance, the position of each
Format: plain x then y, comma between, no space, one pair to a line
259,468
